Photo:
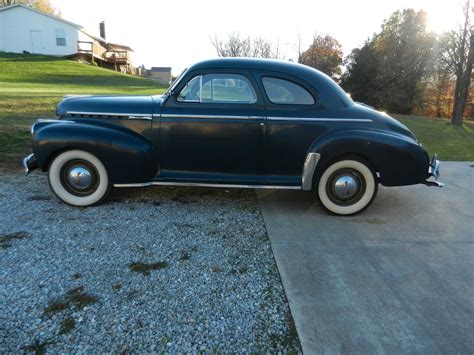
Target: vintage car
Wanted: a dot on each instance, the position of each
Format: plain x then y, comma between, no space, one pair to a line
236,122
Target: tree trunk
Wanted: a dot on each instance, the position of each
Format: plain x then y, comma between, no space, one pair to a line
463,78
463,84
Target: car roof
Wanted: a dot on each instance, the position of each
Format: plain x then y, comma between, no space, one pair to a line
323,83
258,64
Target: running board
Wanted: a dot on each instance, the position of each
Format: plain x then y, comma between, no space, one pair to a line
166,183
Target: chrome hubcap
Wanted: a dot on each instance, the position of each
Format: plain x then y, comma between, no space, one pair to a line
79,177
346,186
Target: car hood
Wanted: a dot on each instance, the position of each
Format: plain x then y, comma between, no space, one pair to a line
107,105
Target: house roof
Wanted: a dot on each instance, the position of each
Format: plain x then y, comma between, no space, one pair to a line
98,39
120,46
161,69
5,8
108,44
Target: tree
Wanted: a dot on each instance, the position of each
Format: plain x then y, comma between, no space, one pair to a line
324,54
458,53
237,46
360,77
404,47
41,5
391,66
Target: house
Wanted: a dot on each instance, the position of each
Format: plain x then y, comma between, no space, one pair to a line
24,29
161,74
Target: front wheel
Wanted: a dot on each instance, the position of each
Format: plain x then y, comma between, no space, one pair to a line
347,187
78,178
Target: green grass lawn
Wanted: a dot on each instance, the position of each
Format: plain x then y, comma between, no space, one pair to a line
32,85
440,137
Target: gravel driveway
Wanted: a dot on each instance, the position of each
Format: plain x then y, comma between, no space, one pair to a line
154,269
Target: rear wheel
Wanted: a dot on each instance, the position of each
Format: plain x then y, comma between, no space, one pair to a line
347,187
78,178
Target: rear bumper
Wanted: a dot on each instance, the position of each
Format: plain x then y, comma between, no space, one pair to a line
433,171
30,163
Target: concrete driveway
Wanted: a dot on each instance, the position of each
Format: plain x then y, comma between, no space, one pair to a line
397,278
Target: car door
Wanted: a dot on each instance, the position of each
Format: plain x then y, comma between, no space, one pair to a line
290,105
211,130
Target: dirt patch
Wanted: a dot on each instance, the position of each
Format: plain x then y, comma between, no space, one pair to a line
145,269
75,298
7,239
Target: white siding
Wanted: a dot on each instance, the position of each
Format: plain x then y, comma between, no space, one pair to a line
26,30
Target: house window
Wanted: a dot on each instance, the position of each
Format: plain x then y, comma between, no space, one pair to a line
61,38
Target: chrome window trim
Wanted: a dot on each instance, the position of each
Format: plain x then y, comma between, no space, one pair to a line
216,102
318,119
315,100
309,167
198,184
184,88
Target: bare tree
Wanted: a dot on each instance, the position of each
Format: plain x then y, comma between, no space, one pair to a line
300,51
237,46
458,54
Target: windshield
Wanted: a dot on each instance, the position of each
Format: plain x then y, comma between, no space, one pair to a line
173,85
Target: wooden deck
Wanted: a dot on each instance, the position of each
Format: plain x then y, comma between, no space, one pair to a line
98,52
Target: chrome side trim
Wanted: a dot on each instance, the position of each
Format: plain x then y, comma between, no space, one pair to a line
133,116
166,183
138,184
166,115
309,167
53,120
318,119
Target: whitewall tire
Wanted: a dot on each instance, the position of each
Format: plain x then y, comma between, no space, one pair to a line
78,178
347,187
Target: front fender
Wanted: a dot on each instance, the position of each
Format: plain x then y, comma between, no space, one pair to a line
127,156
398,159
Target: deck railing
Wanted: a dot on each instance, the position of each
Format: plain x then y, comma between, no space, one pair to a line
99,52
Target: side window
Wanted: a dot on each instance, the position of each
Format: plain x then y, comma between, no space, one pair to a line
280,91
218,88
192,91
61,38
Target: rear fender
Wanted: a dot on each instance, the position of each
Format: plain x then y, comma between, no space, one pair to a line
398,159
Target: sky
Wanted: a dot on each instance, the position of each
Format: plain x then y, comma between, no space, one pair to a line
177,33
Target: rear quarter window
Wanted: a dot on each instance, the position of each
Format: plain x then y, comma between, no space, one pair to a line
285,92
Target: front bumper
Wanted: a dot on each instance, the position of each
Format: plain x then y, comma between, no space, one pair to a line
433,171
30,163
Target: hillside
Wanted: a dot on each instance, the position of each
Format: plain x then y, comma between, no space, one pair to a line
32,85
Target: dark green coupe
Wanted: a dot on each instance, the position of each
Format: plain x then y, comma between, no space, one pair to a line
231,123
